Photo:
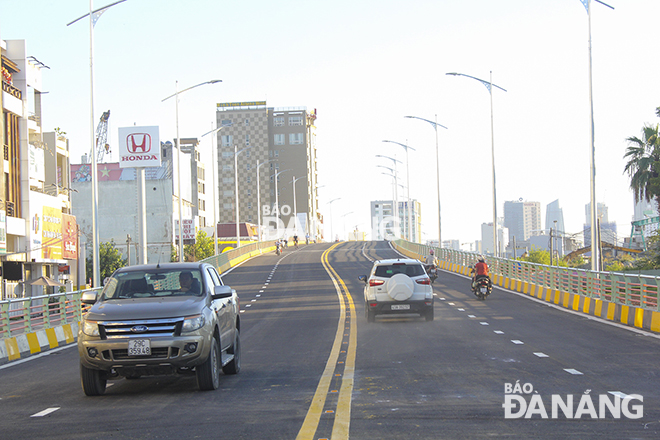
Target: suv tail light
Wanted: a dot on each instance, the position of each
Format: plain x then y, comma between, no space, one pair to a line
373,282
424,281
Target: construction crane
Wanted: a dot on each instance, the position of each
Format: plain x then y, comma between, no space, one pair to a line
102,147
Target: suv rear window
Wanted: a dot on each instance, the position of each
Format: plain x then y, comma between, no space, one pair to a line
388,270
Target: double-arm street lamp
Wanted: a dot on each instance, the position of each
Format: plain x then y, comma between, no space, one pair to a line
437,172
178,156
94,15
489,85
406,147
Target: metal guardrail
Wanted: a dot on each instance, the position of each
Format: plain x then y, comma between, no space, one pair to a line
25,315
633,290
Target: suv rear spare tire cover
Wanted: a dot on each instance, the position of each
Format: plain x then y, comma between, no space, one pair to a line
400,287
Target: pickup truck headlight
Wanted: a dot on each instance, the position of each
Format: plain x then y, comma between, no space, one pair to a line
192,323
90,328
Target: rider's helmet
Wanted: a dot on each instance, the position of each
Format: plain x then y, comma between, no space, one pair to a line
431,251
481,259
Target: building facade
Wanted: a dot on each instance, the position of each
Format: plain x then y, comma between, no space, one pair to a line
38,234
270,155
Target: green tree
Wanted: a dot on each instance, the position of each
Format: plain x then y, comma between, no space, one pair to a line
643,166
203,248
109,260
537,255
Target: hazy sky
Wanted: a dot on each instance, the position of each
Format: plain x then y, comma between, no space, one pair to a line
364,65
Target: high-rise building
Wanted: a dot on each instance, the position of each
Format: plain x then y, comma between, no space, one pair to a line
608,230
274,152
554,217
384,223
522,219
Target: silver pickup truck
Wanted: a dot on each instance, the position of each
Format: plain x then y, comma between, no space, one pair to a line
173,318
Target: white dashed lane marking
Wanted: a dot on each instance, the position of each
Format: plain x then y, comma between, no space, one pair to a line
45,412
572,371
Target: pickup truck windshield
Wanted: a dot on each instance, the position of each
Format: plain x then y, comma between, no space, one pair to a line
137,284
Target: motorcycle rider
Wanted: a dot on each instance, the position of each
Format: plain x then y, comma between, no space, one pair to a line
480,270
430,259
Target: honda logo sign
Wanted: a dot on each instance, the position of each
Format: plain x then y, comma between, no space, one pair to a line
139,147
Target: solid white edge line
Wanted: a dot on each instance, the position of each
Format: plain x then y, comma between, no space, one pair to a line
37,356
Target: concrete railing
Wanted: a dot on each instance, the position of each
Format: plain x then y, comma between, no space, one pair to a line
631,299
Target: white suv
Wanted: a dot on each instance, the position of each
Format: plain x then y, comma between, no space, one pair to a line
397,286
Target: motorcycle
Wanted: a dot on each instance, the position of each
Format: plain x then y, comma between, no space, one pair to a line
482,287
278,248
432,272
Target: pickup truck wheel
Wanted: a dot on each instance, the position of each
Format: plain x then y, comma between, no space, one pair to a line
208,374
93,381
234,366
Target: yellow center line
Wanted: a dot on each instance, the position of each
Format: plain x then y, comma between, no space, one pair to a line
341,424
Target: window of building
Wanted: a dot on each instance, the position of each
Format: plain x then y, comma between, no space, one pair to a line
248,167
228,193
249,179
247,139
295,138
247,122
226,180
227,167
227,206
249,205
226,122
278,121
227,154
295,120
249,192
227,140
279,139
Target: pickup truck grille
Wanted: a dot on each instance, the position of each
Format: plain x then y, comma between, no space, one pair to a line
142,328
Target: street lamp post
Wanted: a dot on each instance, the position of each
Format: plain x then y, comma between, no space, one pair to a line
259,198
330,203
489,85
396,193
395,183
344,223
178,155
94,15
238,231
277,197
214,158
593,211
437,172
295,209
406,147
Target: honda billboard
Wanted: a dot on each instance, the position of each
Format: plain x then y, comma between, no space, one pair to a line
139,147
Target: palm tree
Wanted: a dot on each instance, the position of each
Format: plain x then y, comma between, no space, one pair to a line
643,164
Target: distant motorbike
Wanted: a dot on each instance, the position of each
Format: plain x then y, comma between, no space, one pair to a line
482,287
278,248
432,272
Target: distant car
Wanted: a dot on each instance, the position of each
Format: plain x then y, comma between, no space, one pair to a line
160,319
397,286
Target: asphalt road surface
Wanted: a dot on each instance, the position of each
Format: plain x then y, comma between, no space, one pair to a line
313,368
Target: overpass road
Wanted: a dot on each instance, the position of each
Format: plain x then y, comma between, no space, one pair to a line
313,368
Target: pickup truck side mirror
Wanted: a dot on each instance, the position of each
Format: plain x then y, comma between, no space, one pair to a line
220,292
363,278
89,298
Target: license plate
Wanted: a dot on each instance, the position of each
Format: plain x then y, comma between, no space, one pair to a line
401,307
139,347
484,289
